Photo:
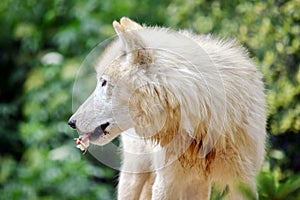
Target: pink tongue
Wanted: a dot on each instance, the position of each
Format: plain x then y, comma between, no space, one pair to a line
86,137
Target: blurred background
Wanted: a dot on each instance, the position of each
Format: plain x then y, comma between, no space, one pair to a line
43,43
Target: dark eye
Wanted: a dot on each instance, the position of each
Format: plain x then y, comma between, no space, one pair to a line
104,82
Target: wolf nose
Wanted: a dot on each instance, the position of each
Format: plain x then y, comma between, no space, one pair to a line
72,123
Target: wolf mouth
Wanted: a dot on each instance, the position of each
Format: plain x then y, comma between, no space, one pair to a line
99,131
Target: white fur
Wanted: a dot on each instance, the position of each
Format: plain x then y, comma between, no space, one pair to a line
155,75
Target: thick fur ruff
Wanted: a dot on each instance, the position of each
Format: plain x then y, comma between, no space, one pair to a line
197,108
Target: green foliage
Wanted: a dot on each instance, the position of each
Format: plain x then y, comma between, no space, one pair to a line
273,186
38,158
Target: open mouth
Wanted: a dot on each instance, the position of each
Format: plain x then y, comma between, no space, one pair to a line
83,141
99,131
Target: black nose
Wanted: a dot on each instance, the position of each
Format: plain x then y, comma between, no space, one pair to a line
72,123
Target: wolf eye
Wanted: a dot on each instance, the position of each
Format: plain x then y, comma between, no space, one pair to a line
104,82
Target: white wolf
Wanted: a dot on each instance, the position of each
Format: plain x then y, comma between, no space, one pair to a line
195,103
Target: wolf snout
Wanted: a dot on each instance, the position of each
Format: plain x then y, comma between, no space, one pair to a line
101,128
72,123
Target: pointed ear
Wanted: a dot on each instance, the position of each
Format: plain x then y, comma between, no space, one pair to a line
119,29
129,24
135,49
129,38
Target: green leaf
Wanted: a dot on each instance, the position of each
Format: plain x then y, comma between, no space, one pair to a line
287,188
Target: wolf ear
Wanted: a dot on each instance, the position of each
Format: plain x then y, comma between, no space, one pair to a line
129,24
133,45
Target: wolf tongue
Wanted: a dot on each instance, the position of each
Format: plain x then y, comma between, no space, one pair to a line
86,137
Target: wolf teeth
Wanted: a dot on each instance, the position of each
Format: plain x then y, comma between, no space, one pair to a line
82,143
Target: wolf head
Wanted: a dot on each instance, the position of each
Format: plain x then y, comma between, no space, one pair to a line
149,80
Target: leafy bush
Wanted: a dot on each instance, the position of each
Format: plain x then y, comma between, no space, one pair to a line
38,158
